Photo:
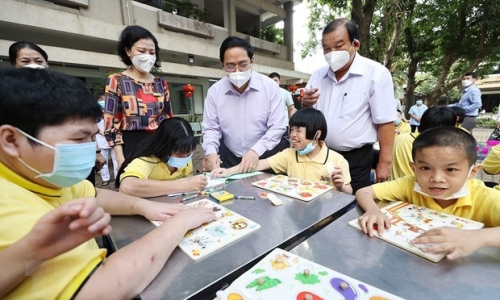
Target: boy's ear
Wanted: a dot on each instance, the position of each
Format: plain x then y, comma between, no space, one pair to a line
8,140
476,169
412,166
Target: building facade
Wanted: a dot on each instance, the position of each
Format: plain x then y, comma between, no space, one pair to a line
80,37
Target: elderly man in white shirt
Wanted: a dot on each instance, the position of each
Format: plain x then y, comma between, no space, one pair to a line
356,96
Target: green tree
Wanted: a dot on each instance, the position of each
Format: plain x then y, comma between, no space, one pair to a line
272,34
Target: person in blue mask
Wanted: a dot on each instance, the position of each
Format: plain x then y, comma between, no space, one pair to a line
162,163
309,158
50,214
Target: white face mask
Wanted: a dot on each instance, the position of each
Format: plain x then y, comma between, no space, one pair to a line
466,83
462,192
34,66
338,59
144,62
239,78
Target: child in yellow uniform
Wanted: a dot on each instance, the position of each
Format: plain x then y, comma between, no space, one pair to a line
49,213
157,164
309,158
444,169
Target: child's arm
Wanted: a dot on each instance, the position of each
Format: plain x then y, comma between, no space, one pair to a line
458,242
58,231
142,187
121,204
263,164
373,215
338,181
131,269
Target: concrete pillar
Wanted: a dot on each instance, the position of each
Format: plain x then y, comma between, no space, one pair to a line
127,12
288,30
229,11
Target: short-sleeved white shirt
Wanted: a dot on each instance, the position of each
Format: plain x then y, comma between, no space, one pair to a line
355,105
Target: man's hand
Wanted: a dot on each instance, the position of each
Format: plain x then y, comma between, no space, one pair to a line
383,171
211,162
249,162
310,97
452,241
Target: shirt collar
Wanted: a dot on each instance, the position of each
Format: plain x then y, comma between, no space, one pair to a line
356,68
252,84
42,191
319,158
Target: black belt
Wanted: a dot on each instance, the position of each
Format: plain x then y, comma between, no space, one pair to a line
366,146
471,116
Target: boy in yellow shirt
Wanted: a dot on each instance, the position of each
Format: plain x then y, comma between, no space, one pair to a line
49,214
444,169
309,158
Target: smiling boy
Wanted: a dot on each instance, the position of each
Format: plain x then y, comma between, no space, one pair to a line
444,168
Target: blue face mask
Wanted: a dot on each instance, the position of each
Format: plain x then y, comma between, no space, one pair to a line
101,103
178,162
397,121
419,102
72,162
308,148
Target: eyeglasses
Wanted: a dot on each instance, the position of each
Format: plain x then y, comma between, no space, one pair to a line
241,66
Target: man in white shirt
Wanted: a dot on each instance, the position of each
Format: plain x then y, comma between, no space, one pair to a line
356,96
287,96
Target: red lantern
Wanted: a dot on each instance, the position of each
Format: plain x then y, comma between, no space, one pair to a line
293,88
188,89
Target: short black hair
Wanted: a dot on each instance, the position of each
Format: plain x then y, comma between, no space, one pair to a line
460,112
350,25
438,116
17,46
129,36
312,119
275,74
31,99
472,74
447,137
234,41
173,135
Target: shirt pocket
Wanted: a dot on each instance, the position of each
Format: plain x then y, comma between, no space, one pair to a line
353,104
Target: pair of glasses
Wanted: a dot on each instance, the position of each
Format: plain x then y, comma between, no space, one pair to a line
241,66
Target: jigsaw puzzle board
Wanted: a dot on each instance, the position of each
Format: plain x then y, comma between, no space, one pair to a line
282,275
409,221
304,190
208,238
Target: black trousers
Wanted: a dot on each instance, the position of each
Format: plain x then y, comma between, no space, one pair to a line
360,164
230,160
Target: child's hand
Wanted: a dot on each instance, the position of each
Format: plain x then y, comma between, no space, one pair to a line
194,217
67,227
195,183
374,218
453,241
337,178
220,172
158,211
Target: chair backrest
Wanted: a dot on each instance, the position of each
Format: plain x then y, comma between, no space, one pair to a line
196,126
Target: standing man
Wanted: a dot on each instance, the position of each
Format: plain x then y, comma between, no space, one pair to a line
243,119
287,96
416,112
356,96
470,100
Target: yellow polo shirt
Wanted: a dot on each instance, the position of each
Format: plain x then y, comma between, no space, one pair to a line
482,204
153,168
403,127
491,163
401,155
22,204
300,166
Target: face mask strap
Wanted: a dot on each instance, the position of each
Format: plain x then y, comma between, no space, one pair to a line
35,139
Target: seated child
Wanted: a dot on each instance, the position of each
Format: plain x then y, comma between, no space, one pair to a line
309,157
49,214
491,164
157,164
400,126
444,161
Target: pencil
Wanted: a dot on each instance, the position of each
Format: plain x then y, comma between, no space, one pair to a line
245,197
190,197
